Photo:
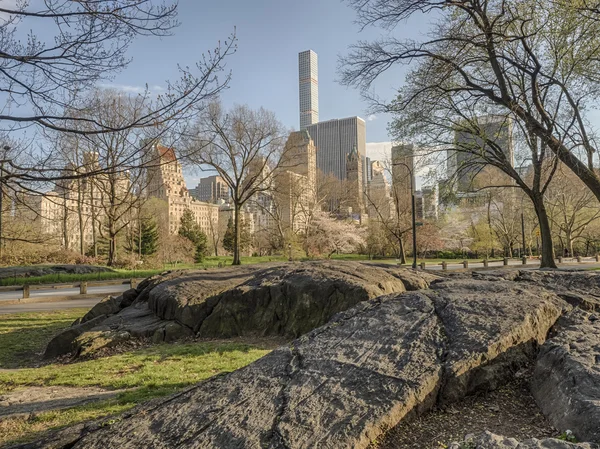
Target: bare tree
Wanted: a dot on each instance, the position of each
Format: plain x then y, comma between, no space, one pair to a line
118,161
572,208
244,147
444,119
86,42
532,60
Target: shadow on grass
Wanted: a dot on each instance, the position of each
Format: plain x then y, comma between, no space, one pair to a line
24,336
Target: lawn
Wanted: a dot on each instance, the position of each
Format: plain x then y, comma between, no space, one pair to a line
209,262
143,373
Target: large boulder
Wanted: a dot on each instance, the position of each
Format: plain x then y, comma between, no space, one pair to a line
342,384
579,288
285,299
490,320
277,299
566,381
490,441
66,341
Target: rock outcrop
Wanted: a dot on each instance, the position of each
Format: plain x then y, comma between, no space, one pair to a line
579,288
342,384
566,381
277,299
490,441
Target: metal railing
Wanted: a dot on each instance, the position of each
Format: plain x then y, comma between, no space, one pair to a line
487,263
83,286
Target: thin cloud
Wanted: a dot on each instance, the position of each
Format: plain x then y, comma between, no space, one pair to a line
130,89
371,117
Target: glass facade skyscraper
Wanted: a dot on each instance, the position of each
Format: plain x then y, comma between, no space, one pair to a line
308,88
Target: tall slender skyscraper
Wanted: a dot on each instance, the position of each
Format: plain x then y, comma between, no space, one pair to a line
308,88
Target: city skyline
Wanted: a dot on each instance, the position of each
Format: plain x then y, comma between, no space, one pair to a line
272,83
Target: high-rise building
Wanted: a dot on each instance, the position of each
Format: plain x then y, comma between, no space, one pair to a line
403,168
431,201
368,175
464,166
354,176
212,189
379,205
335,140
308,88
296,181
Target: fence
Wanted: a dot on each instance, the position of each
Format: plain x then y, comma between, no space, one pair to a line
485,263
83,286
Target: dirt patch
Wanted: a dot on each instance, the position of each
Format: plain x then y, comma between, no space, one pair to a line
510,410
42,399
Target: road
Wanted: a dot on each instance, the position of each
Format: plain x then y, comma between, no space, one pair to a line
53,292
49,306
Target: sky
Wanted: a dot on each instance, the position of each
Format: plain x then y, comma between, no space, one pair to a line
264,69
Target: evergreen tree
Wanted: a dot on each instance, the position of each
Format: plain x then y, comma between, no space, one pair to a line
146,241
228,238
189,229
245,236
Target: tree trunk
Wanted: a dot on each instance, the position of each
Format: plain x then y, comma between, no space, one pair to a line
569,238
65,223
402,255
80,202
547,260
236,236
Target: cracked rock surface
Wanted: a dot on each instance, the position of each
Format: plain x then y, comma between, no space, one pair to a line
344,383
266,300
490,441
566,382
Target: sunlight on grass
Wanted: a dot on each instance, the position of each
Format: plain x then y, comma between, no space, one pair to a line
143,374
208,263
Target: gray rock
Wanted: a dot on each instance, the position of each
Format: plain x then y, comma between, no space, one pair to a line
486,321
282,299
265,300
343,384
566,383
578,288
490,441
65,342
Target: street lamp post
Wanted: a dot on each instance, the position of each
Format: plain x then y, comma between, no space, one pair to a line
6,150
414,212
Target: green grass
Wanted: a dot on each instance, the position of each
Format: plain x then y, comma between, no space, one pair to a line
144,373
209,263
24,335
68,277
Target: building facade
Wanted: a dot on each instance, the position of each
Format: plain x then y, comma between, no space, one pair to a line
379,203
354,180
467,158
212,189
335,140
165,181
403,168
308,75
296,181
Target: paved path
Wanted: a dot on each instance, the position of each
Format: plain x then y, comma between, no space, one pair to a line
49,306
53,292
